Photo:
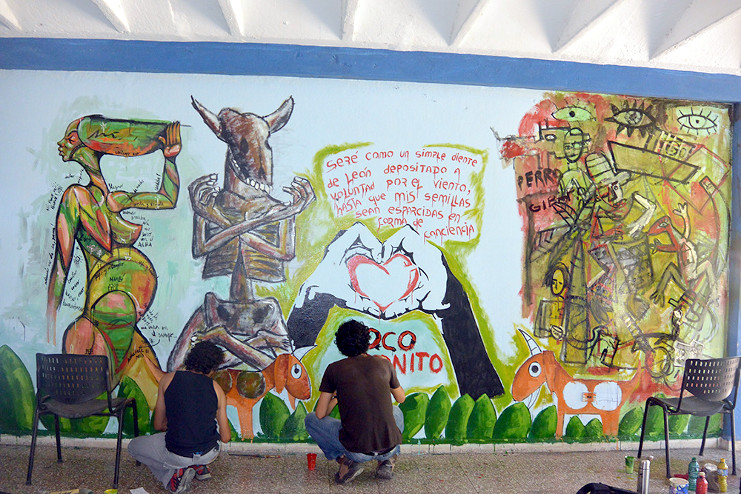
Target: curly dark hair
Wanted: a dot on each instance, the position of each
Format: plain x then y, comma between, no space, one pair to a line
204,357
352,338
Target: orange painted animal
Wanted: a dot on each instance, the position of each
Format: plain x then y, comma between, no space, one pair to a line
572,396
286,372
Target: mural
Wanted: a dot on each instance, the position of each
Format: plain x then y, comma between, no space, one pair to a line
624,204
540,300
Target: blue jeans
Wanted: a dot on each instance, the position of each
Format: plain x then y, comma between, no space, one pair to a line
326,433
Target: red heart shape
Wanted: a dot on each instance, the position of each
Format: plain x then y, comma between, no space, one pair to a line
383,283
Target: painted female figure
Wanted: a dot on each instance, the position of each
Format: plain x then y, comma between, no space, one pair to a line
120,281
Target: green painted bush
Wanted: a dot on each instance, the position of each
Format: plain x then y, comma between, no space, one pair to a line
457,425
129,389
593,430
294,428
655,423
544,425
414,409
437,413
16,388
678,424
513,424
630,424
482,420
697,424
273,415
574,429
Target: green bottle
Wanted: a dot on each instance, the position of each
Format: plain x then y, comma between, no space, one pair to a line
692,472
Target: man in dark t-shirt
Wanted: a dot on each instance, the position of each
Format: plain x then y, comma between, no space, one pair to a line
191,408
370,426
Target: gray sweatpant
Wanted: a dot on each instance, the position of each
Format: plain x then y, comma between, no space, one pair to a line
151,451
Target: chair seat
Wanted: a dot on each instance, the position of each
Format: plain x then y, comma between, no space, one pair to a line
692,405
85,409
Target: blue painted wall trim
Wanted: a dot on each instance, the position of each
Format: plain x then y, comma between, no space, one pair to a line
354,63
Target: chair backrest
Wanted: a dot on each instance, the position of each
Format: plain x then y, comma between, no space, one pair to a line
70,378
711,379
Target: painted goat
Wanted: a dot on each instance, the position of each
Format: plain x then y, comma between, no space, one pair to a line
572,396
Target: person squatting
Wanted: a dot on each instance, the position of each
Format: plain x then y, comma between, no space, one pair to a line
370,426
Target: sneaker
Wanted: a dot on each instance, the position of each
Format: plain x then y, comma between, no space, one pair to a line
385,469
180,480
348,470
202,472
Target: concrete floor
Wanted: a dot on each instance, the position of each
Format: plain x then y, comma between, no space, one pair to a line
559,468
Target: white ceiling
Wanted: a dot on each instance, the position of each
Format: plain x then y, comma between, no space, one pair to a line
694,35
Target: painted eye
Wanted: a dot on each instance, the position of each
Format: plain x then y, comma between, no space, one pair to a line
572,114
632,118
534,369
194,339
698,121
296,371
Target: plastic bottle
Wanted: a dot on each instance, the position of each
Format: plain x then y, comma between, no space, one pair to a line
723,475
692,471
702,484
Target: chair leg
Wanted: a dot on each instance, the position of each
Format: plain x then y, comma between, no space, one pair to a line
136,424
733,444
643,429
704,434
33,445
666,443
118,446
59,442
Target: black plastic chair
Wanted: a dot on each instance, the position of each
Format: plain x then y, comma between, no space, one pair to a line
709,386
69,386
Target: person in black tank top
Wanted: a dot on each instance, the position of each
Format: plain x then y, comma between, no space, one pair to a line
191,409
370,426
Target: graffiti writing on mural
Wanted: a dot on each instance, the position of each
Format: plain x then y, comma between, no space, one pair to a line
404,357
427,188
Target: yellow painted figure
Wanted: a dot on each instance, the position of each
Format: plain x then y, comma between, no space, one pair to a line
120,280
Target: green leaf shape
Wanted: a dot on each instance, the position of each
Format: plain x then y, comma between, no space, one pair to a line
654,423
482,420
697,424
630,424
544,425
16,388
457,425
513,424
574,429
593,430
414,409
294,428
678,424
128,388
273,415
437,413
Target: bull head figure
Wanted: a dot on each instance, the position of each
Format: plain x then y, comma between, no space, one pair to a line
249,157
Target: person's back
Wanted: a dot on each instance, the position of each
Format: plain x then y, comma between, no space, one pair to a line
370,426
362,385
191,429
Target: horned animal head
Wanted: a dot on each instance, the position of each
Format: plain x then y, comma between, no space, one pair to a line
249,156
